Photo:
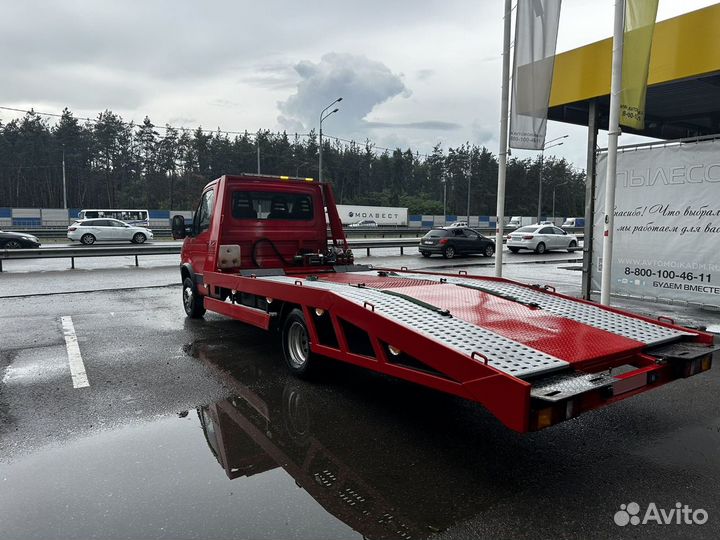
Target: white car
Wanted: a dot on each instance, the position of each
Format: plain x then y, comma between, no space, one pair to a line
89,231
365,223
541,238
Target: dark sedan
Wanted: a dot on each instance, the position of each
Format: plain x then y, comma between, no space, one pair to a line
451,241
16,240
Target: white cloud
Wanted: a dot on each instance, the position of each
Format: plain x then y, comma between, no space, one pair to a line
362,83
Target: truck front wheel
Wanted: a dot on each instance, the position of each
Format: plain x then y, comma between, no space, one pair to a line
296,343
193,302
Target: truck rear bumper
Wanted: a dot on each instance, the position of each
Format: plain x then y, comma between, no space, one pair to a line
562,397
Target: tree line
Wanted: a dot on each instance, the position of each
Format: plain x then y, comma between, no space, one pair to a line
117,164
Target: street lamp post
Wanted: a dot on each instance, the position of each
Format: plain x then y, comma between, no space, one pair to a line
323,116
444,183
468,193
553,206
64,183
547,145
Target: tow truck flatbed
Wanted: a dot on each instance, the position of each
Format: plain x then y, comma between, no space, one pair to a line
531,356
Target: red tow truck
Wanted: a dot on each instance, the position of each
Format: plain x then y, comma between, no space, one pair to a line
271,252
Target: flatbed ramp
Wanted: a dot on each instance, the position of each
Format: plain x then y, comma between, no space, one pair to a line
402,297
507,355
610,321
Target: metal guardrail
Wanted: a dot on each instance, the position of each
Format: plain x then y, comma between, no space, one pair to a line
73,252
95,251
382,232
370,232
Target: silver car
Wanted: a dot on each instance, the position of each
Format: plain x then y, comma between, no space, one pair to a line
367,223
90,231
541,238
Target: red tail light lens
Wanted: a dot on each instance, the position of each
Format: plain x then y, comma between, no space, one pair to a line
443,241
528,237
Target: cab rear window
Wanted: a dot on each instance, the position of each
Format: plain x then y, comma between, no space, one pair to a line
271,205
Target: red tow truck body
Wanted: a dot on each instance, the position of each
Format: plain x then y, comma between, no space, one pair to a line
271,252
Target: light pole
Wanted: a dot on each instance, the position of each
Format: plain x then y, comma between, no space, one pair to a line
469,181
64,183
323,116
444,183
554,188
547,145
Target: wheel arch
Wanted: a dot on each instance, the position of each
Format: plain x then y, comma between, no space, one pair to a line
186,271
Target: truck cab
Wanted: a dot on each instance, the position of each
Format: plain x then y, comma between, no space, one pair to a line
252,223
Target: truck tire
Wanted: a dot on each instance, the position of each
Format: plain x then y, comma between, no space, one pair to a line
193,302
296,344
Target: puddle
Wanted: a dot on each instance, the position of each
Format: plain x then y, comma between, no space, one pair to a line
282,458
156,480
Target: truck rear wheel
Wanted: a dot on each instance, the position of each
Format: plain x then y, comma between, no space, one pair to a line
296,343
193,302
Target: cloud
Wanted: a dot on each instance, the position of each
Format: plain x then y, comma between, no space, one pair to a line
428,124
274,76
362,83
424,74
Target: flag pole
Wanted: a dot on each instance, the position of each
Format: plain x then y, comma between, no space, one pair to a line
502,154
613,134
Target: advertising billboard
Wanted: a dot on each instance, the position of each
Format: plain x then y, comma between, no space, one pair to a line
667,223
383,215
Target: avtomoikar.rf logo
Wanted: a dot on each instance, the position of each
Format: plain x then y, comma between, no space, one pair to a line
629,514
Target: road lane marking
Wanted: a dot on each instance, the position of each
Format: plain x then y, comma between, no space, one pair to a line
77,368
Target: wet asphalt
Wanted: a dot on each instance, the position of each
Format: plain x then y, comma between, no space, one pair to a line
193,429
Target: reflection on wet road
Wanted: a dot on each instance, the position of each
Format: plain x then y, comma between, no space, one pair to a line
336,447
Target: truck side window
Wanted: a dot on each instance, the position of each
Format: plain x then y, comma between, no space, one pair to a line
205,210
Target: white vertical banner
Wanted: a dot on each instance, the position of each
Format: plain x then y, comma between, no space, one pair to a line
667,223
536,30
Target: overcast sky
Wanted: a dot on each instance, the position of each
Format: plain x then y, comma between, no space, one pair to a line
412,74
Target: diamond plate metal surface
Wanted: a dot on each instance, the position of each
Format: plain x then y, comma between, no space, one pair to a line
538,329
503,354
559,387
597,317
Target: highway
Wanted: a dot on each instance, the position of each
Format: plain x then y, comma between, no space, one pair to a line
162,427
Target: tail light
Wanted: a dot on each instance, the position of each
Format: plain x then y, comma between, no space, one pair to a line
528,237
70,229
443,241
